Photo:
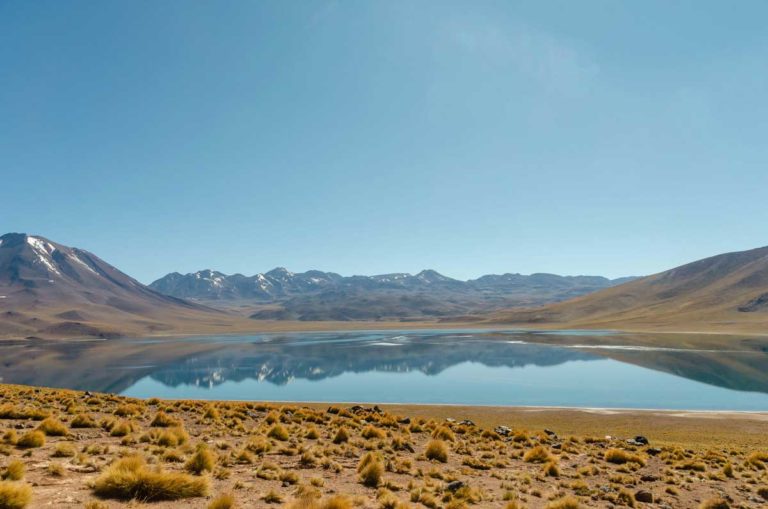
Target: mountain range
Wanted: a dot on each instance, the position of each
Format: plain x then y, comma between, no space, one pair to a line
719,293
51,290
314,295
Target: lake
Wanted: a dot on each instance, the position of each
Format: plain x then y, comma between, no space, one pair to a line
468,367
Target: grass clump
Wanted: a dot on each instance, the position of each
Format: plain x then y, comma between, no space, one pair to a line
224,501
83,421
278,432
273,497
373,432
14,495
64,450
444,433
437,450
538,454
620,457
163,420
371,470
14,471
53,428
202,461
715,503
569,502
342,436
129,478
31,440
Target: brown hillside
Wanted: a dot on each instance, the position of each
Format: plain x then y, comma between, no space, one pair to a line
724,292
51,290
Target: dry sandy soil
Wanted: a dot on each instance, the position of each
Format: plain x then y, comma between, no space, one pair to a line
107,451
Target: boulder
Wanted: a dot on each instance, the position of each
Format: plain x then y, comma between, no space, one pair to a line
644,496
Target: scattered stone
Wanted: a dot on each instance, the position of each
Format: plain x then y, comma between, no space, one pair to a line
649,478
454,486
644,496
503,430
550,433
450,420
467,422
653,451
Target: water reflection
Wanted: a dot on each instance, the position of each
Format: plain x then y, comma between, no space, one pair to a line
463,360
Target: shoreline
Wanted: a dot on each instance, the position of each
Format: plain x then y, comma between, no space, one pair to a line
276,326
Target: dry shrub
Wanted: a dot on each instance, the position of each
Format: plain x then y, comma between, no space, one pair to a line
224,501
310,502
163,420
437,450
127,410
53,428
373,432
620,457
64,450
444,433
538,454
259,445
202,461
565,503
14,495
371,470
342,435
129,478
278,432
83,421
14,471
31,439
715,503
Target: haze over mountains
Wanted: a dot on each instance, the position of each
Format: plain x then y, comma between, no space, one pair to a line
315,295
723,292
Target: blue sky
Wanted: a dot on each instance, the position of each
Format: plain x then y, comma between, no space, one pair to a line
594,137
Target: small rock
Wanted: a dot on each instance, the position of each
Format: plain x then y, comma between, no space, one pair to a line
644,496
649,478
653,451
640,439
454,486
450,420
550,432
467,422
503,430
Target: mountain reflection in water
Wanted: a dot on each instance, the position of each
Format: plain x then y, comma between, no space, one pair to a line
410,360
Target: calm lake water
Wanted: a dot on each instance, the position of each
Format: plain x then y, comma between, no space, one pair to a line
456,367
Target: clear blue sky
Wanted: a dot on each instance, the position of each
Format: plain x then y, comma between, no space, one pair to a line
594,137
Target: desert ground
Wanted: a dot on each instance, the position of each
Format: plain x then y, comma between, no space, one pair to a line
73,449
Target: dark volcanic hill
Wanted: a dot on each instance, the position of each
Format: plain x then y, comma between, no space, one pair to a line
713,293
51,290
315,295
